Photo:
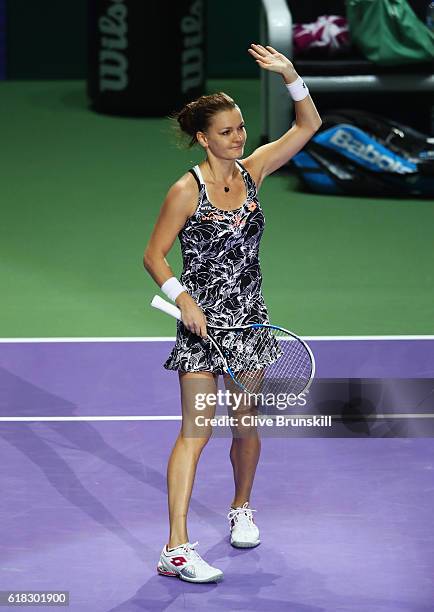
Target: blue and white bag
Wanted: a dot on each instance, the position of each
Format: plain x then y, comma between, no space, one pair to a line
358,153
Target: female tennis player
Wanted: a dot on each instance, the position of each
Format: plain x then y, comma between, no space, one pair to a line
215,211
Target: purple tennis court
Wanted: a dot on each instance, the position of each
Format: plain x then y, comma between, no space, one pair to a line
278,176
346,522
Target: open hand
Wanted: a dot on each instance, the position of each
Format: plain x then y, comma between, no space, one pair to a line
270,59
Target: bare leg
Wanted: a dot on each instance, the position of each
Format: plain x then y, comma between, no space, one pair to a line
188,447
245,449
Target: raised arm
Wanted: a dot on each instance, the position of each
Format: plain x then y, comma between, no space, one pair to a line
268,158
178,206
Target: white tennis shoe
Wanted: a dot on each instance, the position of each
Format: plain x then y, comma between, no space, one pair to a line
244,532
185,563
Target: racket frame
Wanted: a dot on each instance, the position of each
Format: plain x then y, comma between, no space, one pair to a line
172,310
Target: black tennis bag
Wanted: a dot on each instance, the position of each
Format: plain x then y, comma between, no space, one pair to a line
361,154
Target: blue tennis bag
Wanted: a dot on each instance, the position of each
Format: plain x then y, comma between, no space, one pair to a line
361,154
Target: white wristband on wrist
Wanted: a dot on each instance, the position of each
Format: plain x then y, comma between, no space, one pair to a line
298,89
172,288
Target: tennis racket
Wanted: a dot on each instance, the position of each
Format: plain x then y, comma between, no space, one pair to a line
260,358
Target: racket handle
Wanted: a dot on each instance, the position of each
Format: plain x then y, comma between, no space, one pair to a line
167,307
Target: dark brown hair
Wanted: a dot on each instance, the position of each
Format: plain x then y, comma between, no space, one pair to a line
196,116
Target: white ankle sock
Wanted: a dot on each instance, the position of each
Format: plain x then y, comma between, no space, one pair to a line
172,549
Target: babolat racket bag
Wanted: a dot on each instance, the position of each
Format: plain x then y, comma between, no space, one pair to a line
362,154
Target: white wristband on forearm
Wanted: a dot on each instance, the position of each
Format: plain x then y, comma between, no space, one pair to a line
172,288
298,89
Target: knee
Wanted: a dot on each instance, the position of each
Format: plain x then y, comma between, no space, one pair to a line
195,444
245,437
244,422
245,429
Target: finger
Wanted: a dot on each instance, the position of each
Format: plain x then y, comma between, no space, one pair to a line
271,49
263,50
202,327
260,50
257,56
191,327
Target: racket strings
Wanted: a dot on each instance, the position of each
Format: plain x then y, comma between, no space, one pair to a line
267,360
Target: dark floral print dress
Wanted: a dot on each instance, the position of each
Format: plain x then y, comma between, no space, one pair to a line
221,271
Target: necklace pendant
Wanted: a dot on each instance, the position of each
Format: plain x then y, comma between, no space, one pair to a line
226,189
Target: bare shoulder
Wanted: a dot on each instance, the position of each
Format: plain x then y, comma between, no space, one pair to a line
253,169
183,194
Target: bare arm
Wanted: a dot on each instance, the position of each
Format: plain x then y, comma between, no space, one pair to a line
268,158
174,213
177,207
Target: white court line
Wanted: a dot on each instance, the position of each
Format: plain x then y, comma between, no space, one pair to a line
178,418
93,418
172,339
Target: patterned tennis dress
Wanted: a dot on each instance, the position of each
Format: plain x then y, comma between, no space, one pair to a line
221,271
